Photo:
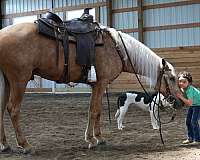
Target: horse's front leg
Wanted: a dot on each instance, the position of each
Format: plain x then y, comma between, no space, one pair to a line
154,118
17,89
4,93
93,131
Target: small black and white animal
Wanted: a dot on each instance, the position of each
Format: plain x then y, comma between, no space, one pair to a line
143,101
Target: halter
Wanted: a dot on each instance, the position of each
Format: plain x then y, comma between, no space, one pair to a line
169,96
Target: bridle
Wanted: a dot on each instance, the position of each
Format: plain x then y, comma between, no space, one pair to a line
169,96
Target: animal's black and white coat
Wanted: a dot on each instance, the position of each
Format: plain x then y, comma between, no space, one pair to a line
143,101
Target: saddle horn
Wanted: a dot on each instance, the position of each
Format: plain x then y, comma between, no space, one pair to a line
86,15
53,17
87,10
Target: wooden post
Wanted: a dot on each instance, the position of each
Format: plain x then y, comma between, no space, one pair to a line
140,21
1,16
109,13
53,88
97,14
52,4
64,16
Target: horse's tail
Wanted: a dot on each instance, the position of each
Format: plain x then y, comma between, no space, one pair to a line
118,108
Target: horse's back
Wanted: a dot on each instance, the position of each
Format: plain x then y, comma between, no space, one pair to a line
14,34
17,31
16,44
19,26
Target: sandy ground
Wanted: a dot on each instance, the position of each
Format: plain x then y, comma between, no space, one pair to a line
55,126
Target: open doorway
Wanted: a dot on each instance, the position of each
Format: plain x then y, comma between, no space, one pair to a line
78,13
24,19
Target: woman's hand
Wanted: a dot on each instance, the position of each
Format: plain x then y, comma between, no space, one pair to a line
187,102
178,95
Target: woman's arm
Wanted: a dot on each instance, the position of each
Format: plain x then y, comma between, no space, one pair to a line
187,102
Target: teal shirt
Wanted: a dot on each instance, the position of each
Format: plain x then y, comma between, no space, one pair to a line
192,93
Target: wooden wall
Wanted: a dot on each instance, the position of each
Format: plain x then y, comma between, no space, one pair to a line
182,58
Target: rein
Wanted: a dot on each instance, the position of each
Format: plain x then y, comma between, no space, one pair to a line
107,95
162,72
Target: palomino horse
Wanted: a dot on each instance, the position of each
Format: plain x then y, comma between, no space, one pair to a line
24,52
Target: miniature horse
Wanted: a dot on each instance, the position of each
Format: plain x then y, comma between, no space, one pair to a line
146,102
24,52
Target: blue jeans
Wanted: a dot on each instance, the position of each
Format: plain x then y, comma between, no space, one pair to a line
192,124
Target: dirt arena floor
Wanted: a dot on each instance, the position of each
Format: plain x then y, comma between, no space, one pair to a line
55,126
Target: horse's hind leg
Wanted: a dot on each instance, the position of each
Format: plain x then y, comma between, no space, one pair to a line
4,93
17,89
93,126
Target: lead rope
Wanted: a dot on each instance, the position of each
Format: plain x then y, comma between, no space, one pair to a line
160,131
160,126
107,96
159,121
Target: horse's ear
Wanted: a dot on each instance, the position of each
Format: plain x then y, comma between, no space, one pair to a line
165,66
163,62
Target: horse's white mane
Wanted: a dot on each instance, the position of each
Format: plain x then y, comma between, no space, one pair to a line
145,61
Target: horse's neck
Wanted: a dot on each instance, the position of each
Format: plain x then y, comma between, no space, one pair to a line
145,62
146,70
147,74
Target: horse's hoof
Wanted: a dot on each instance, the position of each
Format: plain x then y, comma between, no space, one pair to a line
101,142
91,146
5,148
29,150
26,150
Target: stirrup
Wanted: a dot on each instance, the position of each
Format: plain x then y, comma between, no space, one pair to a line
92,75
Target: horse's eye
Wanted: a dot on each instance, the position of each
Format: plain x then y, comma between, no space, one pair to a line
172,78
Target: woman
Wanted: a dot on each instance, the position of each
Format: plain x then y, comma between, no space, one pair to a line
191,99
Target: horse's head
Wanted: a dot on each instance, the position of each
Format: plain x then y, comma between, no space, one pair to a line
167,84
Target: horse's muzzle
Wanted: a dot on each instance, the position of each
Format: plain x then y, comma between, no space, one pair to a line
176,102
171,99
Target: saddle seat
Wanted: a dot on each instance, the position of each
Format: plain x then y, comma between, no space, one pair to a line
76,26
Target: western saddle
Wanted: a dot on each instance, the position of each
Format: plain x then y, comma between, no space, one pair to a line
83,31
